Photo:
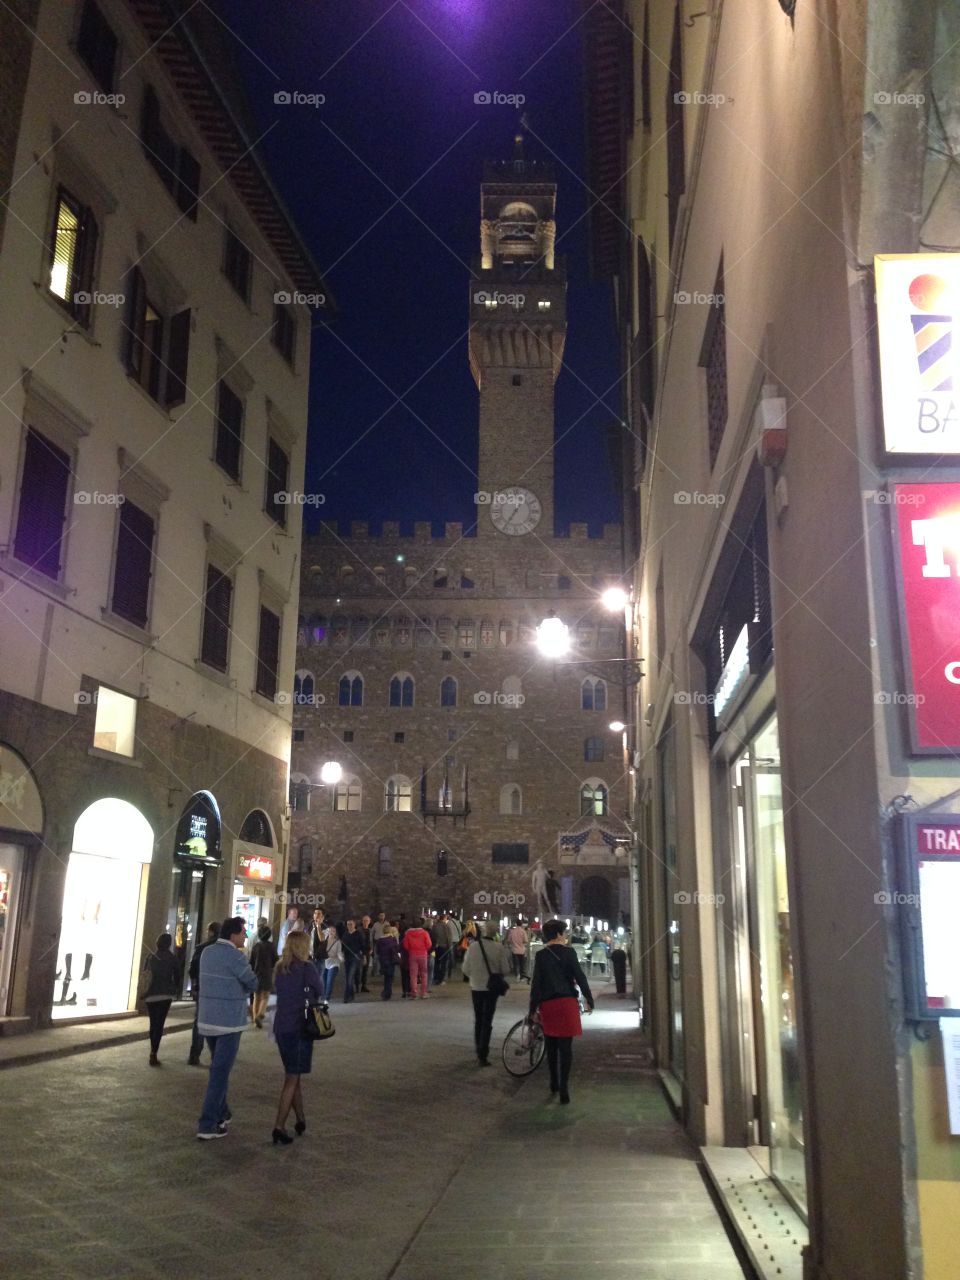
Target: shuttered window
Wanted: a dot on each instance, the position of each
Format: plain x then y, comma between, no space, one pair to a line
38,541
97,45
73,250
229,445
134,564
216,619
237,263
676,146
177,168
268,652
157,347
284,330
278,477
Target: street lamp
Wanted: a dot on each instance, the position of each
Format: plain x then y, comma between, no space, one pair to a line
616,726
614,599
331,772
553,637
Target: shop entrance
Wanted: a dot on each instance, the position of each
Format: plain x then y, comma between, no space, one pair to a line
10,877
196,852
102,921
766,969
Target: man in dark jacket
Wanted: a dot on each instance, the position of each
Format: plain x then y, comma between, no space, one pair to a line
352,944
196,1040
367,939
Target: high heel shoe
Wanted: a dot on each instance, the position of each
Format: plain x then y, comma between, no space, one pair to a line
281,1136
300,1128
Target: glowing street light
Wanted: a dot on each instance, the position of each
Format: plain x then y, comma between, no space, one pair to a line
616,726
553,637
614,599
331,773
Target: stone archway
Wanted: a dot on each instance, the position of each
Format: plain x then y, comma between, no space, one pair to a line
596,897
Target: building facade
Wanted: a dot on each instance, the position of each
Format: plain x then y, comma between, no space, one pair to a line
756,160
468,757
155,366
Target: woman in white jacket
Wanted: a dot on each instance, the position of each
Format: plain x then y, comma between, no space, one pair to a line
485,958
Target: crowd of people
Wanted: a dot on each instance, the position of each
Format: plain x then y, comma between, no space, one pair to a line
232,979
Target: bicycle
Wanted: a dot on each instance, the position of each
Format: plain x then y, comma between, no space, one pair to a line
523,1047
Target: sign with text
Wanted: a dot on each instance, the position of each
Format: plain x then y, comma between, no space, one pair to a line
927,534
254,866
930,906
918,310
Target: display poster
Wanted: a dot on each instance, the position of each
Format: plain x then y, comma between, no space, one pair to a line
930,909
198,831
950,1031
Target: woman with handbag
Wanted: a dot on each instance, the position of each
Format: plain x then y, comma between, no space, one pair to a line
486,964
298,985
162,987
553,994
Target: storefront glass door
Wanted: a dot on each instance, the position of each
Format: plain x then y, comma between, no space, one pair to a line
761,832
10,870
185,917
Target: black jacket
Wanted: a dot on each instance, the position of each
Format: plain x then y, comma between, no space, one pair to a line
352,943
555,971
195,968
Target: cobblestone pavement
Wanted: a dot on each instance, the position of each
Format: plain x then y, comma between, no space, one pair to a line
415,1163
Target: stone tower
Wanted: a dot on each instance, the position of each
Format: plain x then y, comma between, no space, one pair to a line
518,327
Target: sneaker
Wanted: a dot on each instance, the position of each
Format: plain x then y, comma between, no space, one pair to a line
219,1132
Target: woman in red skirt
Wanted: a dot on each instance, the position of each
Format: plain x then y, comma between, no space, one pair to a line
556,976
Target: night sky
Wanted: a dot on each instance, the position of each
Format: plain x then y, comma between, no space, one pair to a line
400,120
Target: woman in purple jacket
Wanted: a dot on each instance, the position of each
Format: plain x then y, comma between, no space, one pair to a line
296,981
388,956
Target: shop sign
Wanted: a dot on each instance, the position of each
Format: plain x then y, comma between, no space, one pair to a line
927,534
918,305
20,805
929,906
735,677
198,831
255,866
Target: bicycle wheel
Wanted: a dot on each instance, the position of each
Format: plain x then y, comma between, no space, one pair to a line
523,1047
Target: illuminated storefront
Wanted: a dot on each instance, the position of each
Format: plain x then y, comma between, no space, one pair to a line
103,903
21,824
257,871
197,853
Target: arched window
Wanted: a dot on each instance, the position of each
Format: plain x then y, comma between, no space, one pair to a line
593,694
300,791
411,575
401,690
468,579
513,750
351,689
448,692
440,578
466,633
592,749
511,798
346,574
348,795
379,572
444,629
303,688
488,633
385,860
506,633
398,797
593,799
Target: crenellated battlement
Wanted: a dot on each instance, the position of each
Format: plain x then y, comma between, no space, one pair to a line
340,531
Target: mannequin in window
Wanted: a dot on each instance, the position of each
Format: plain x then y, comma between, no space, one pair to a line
82,940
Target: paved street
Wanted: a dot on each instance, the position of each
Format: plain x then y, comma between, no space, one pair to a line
416,1163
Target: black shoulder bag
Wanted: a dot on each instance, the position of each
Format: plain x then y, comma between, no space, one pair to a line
317,1023
497,984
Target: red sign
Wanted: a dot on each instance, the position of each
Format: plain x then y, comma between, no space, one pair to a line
927,521
938,837
255,867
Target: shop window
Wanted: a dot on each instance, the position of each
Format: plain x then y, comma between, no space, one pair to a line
133,564
593,799
448,692
157,345
237,263
116,722
72,254
268,652
97,45
511,799
348,796
401,690
284,335
593,750
44,485
228,451
593,694
177,168
399,794
217,599
350,692
277,496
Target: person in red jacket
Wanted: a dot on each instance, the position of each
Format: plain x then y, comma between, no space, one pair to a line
417,943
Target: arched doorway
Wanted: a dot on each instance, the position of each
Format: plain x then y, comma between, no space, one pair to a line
102,921
21,827
595,897
196,854
257,871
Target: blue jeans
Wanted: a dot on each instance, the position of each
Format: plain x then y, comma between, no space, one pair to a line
223,1054
351,970
329,977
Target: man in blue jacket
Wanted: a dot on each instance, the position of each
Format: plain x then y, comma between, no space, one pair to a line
226,981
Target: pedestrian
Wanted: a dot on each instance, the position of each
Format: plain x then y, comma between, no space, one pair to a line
417,945
553,995
293,917
255,936
366,937
196,1039
164,985
263,958
388,957
485,958
517,945
455,954
226,980
332,960
468,935
377,930
318,939
298,984
404,959
352,946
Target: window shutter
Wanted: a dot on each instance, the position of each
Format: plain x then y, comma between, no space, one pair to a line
216,619
136,317
278,475
43,503
188,191
178,351
85,264
229,431
268,653
134,562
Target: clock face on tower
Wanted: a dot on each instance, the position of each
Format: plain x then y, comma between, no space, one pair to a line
515,511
